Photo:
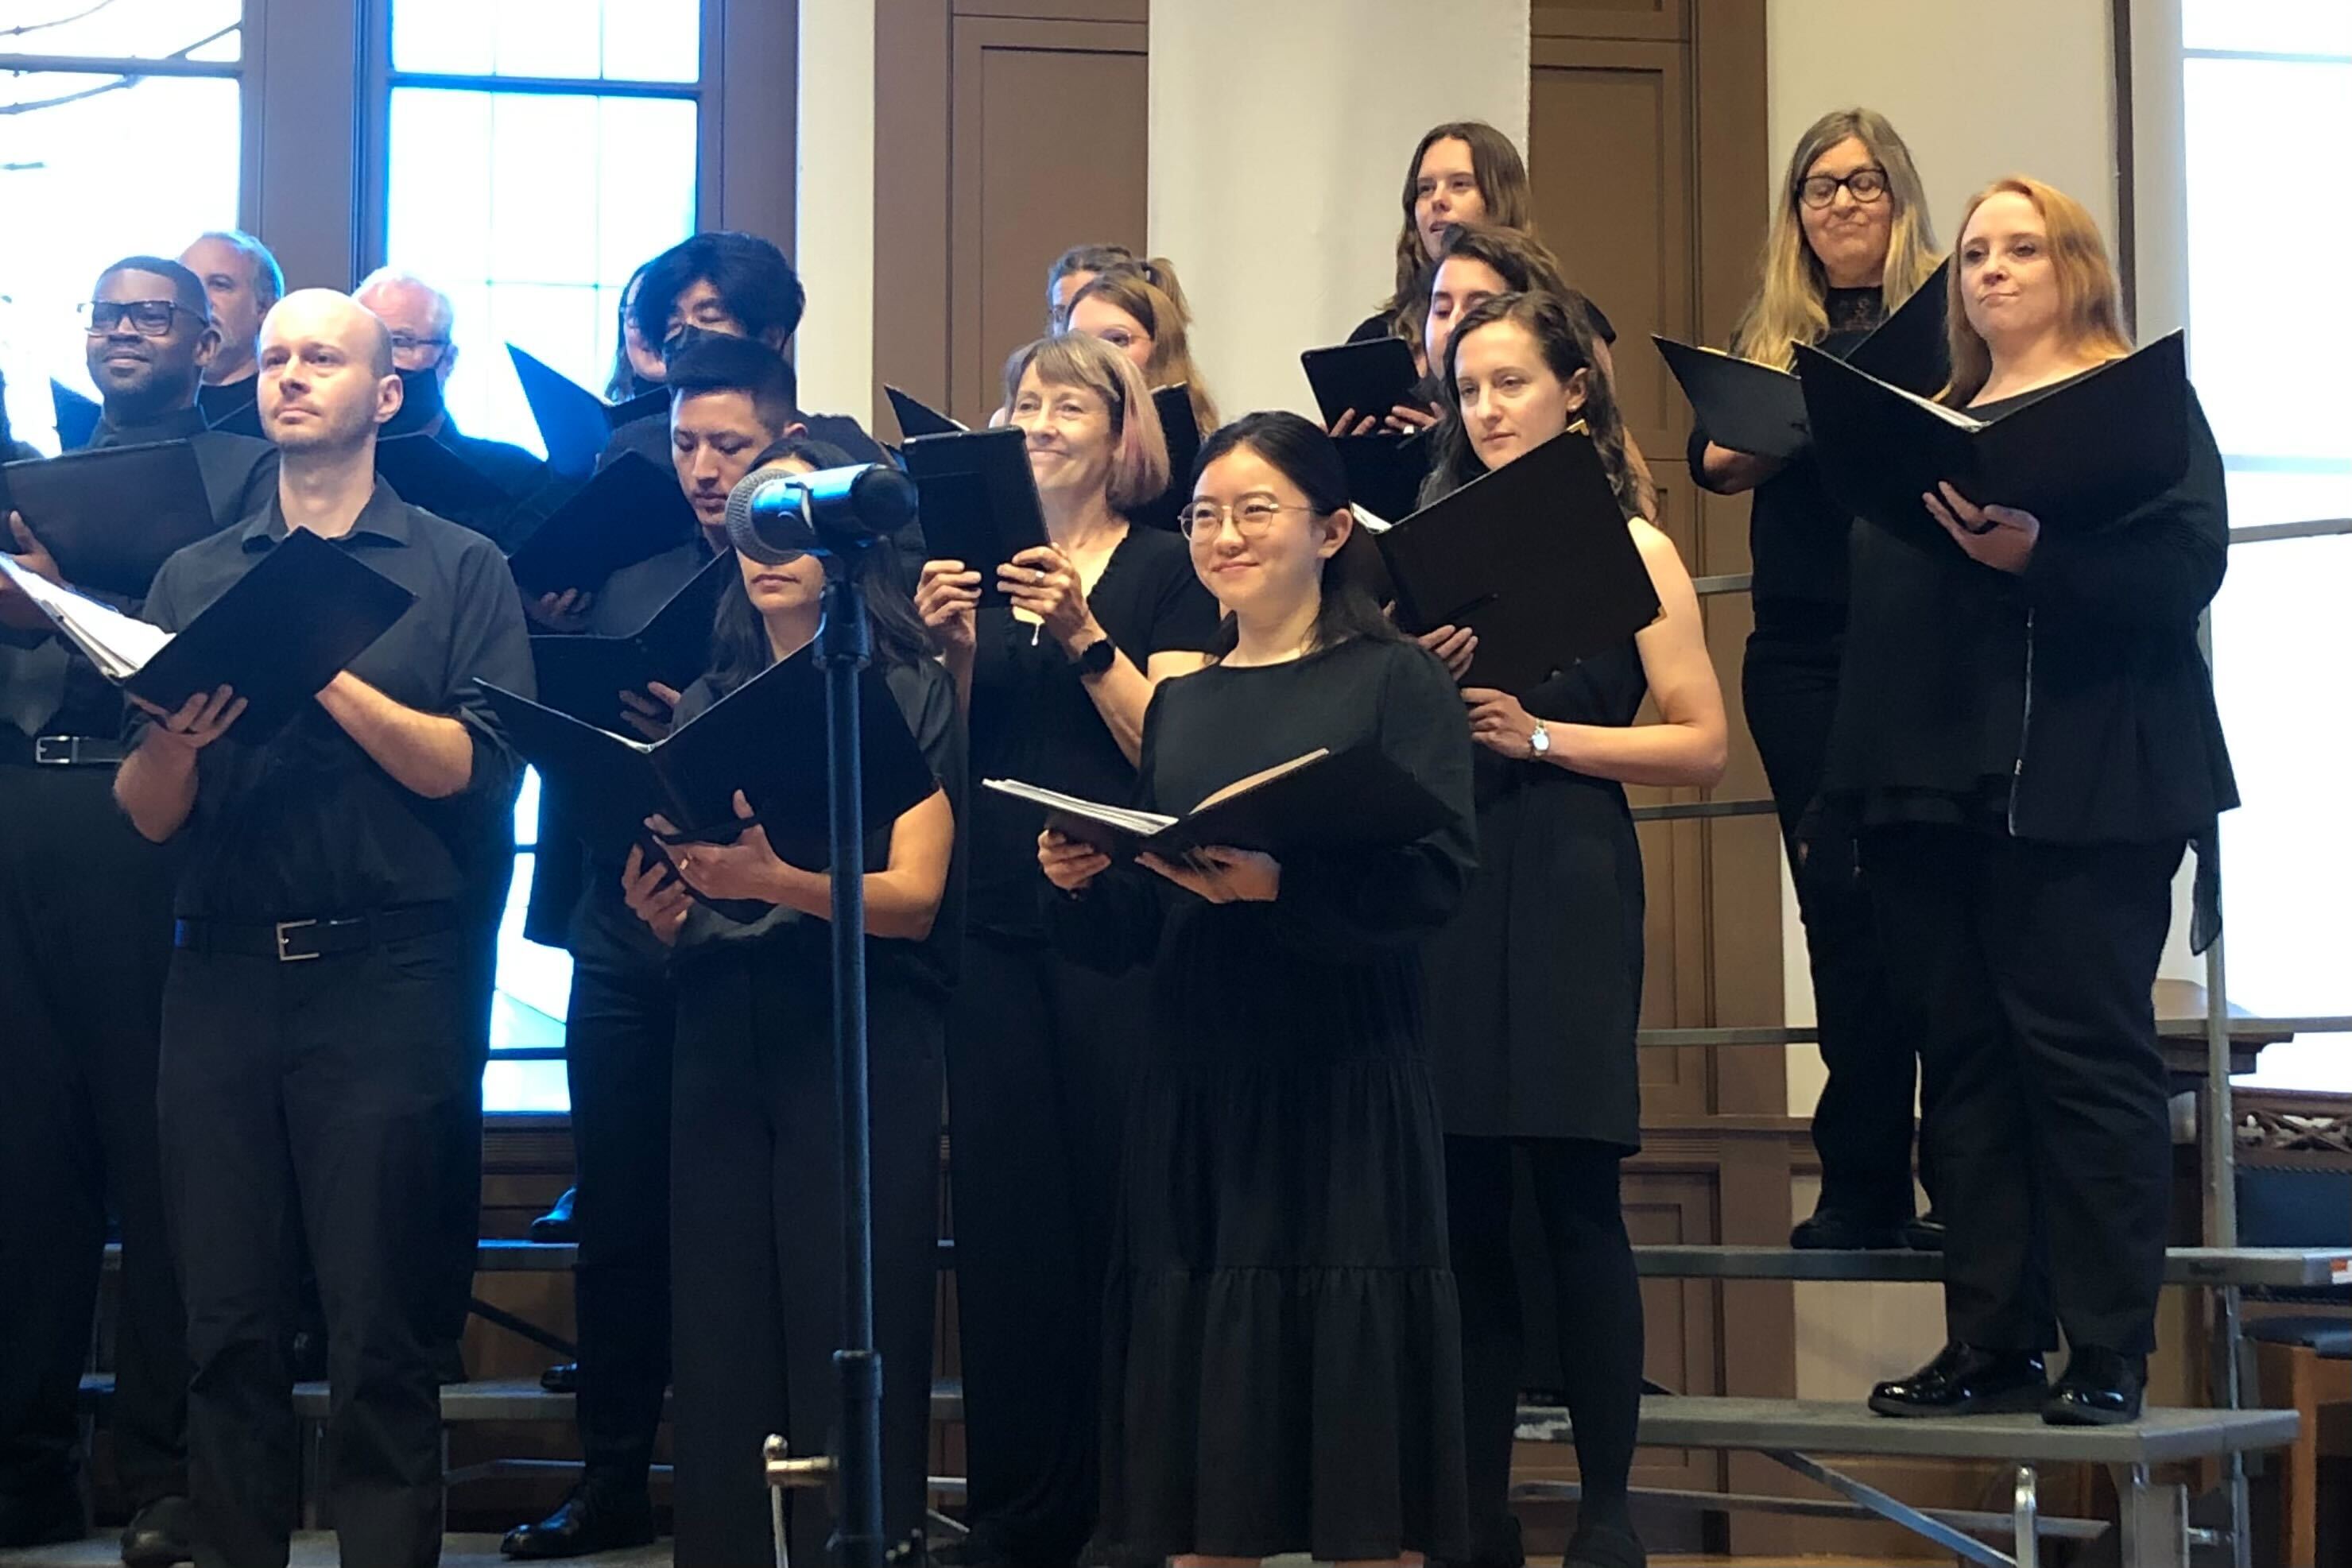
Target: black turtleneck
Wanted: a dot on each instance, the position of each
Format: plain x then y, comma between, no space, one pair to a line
223,403
1796,534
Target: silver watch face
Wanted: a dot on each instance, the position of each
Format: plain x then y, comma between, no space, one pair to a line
1540,740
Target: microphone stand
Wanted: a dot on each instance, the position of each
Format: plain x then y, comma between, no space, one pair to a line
843,647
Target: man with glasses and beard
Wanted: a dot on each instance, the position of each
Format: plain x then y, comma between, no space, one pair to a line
85,936
317,1024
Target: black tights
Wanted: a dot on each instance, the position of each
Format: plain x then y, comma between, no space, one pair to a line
1599,1322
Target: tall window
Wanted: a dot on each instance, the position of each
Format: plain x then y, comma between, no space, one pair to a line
2267,99
120,135
537,151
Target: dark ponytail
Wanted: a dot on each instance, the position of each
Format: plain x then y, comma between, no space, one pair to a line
1304,454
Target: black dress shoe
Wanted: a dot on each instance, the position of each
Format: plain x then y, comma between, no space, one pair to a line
1964,1380
561,1378
1924,1234
46,1517
1841,1230
1605,1546
556,1224
597,1517
161,1535
2099,1388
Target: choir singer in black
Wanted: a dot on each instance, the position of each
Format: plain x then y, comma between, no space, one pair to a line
1850,241
1282,1347
2027,731
317,1029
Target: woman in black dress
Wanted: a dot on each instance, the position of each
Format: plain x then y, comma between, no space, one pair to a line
1850,241
1282,1356
755,1142
1038,1046
2026,732
1538,980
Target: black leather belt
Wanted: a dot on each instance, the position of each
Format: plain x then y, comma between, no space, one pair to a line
60,750
298,941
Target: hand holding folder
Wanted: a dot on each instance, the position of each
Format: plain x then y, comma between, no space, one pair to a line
1364,379
275,638
1284,810
2077,457
584,676
113,517
979,502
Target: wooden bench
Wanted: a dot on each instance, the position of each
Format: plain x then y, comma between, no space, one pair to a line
2154,1529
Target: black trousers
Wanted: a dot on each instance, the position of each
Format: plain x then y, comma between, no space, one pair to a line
1598,1299
756,1227
85,936
1863,1122
1039,1051
2031,966
316,1098
621,1023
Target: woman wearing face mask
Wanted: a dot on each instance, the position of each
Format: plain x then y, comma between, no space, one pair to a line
756,1157
2027,735
1137,314
1538,977
1465,172
1850,241
1057,683
1281,1329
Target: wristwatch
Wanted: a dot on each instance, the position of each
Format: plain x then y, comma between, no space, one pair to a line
1539,742
1096,658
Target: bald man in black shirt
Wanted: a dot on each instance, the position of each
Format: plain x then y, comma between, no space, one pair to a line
85,934
318,1035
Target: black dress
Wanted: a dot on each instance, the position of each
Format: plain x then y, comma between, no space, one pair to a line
1538,979
1282,1354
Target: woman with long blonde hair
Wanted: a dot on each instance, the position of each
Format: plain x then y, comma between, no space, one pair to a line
1137,313
1850,240
2026,740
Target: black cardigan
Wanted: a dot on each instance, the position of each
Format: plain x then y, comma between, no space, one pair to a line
2072,698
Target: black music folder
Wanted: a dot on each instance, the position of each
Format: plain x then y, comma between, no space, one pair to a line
979,500
1370,377
916,417
1284,810
767,739
575,424
1535,557
1173,405
77,417
279,635
1760,409
424,472
2078,456
631,511
112,517
583,677
1385,471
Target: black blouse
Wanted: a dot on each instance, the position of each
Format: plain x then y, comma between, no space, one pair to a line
1033,718
2068,704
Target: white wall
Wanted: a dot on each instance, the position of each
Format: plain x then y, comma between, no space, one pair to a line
834,231
1279,134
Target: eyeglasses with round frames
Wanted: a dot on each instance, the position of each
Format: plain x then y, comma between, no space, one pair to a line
1252,515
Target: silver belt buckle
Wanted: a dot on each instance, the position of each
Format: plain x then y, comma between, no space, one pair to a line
285,928
56,750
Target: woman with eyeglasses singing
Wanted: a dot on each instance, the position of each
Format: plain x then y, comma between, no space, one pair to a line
1537,982
1850,240
1057,677
1282,1343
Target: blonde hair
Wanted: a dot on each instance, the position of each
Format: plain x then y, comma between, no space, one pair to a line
2090,304
1788,308
1138,460
1162,313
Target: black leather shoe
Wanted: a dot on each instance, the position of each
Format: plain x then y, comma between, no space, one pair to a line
561,1378
161,1535
556,1224
1964,1380
2099,1388
1924,1234
1605,1546
46,1517
597,1517
1841,1231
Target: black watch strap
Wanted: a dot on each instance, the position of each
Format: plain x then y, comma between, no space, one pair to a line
1098,657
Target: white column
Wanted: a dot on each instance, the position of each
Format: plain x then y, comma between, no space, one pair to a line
1279,136
834,207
